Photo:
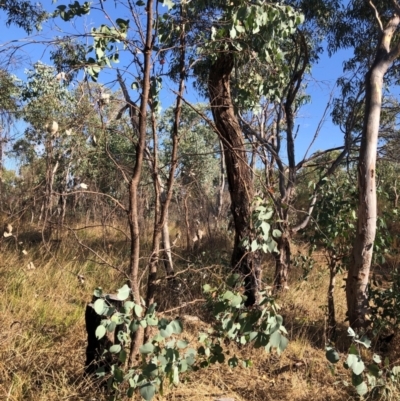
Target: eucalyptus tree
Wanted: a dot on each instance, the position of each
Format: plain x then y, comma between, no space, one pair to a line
135,34
48,110
227,37
9,107
370,29
25,14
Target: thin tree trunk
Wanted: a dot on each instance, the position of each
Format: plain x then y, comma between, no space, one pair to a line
238,172
166,241
282,261
331,323
221,185
133,216
358,276
166,194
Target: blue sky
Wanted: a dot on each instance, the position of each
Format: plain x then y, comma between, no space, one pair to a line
320,86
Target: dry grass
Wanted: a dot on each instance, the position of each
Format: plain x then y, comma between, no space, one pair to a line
42,338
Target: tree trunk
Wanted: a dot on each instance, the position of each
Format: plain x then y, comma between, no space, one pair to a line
187,222
238,172
133,216
331,327
166,241
282,262
161,230
220,196
358,276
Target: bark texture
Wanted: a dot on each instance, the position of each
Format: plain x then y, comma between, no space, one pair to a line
358,277
237,169
133,217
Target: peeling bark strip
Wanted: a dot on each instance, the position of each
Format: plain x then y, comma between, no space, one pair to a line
358,277
238,171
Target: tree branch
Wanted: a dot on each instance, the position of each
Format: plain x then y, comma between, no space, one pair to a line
377,13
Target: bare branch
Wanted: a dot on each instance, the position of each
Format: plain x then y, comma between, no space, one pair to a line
377,13
117,202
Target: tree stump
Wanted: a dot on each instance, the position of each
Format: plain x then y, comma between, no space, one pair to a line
96,347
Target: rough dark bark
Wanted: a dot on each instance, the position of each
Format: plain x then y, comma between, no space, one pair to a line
238,171
331,320
358,276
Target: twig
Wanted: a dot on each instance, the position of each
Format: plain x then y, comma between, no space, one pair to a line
195,301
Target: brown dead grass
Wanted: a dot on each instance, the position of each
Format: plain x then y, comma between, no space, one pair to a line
43,339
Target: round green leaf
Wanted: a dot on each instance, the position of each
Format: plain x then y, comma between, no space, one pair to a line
123,292
182,344
114,349
236,301
138,310
128,306
134,326
183,365
228,295
100,306
233,362
377,358
362,389
374,370
166,332
276,233
152,320
332,355
111,326
147,348
176,326
100,332
358,367
147,391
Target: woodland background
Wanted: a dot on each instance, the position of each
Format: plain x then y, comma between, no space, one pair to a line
218,235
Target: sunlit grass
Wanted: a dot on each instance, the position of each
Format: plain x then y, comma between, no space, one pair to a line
43,338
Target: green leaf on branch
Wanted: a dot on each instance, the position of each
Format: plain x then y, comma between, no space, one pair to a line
123,293
166,331
374,370
100,307
254,246
233,362
100,332
376,358
265,227
176,326
147,348
114,349
182,344
138,310
364,341
276,233
332,355
147,391
355,363
236,301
